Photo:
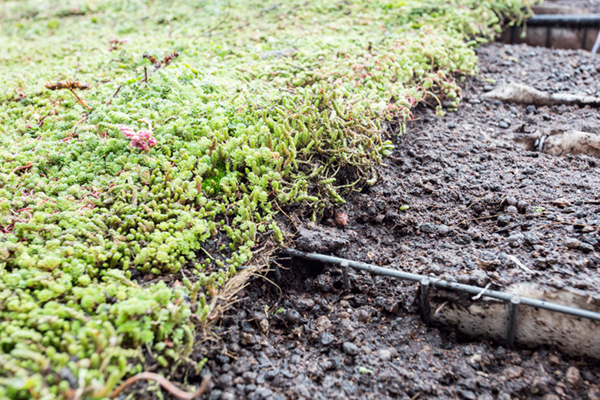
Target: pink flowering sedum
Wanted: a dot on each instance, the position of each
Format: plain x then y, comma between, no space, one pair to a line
142,140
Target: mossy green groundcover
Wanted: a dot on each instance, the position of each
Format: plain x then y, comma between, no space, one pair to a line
198,121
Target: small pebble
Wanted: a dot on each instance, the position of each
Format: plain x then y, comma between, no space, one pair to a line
384,355
305,304
586,247
292,316
340,220
572,243
531,238
443,229
428,227
479,277
594,393
511,201
263,392
512,210
264,325
573,377
550,396
247,338
323,324
363,315
350,348
503,125
468,395
327,338
215,394
503,220
228,396
516,239
250,377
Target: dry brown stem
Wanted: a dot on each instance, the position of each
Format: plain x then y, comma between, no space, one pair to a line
166,384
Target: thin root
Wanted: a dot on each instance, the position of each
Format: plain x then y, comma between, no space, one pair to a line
166,384
22,167
81,101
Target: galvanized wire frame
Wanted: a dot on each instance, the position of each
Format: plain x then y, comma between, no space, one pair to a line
513,301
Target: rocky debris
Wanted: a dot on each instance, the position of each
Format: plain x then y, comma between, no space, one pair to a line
264,325
384,355
321,239
326,338
573,243
323,324
341,220
291,316
573,377
512,210
516,239
350,348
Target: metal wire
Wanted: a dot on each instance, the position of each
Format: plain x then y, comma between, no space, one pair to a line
440,283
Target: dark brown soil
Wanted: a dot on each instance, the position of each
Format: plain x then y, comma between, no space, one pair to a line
309,338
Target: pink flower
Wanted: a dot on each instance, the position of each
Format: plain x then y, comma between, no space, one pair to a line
127,131
144,135
142,140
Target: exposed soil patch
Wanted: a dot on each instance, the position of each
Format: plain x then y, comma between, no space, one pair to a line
474,200
475,203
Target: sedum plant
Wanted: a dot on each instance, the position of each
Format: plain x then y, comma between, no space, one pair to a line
184,162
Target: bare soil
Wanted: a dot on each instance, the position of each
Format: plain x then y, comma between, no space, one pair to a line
474,199
309,338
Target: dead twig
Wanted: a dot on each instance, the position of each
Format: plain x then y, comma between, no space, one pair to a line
166,384
519,263
70,86
22,167
440,308
80,100
77,123
76,70
220,22
478,296
115,94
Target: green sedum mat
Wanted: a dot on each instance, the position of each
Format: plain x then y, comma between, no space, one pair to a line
265,103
